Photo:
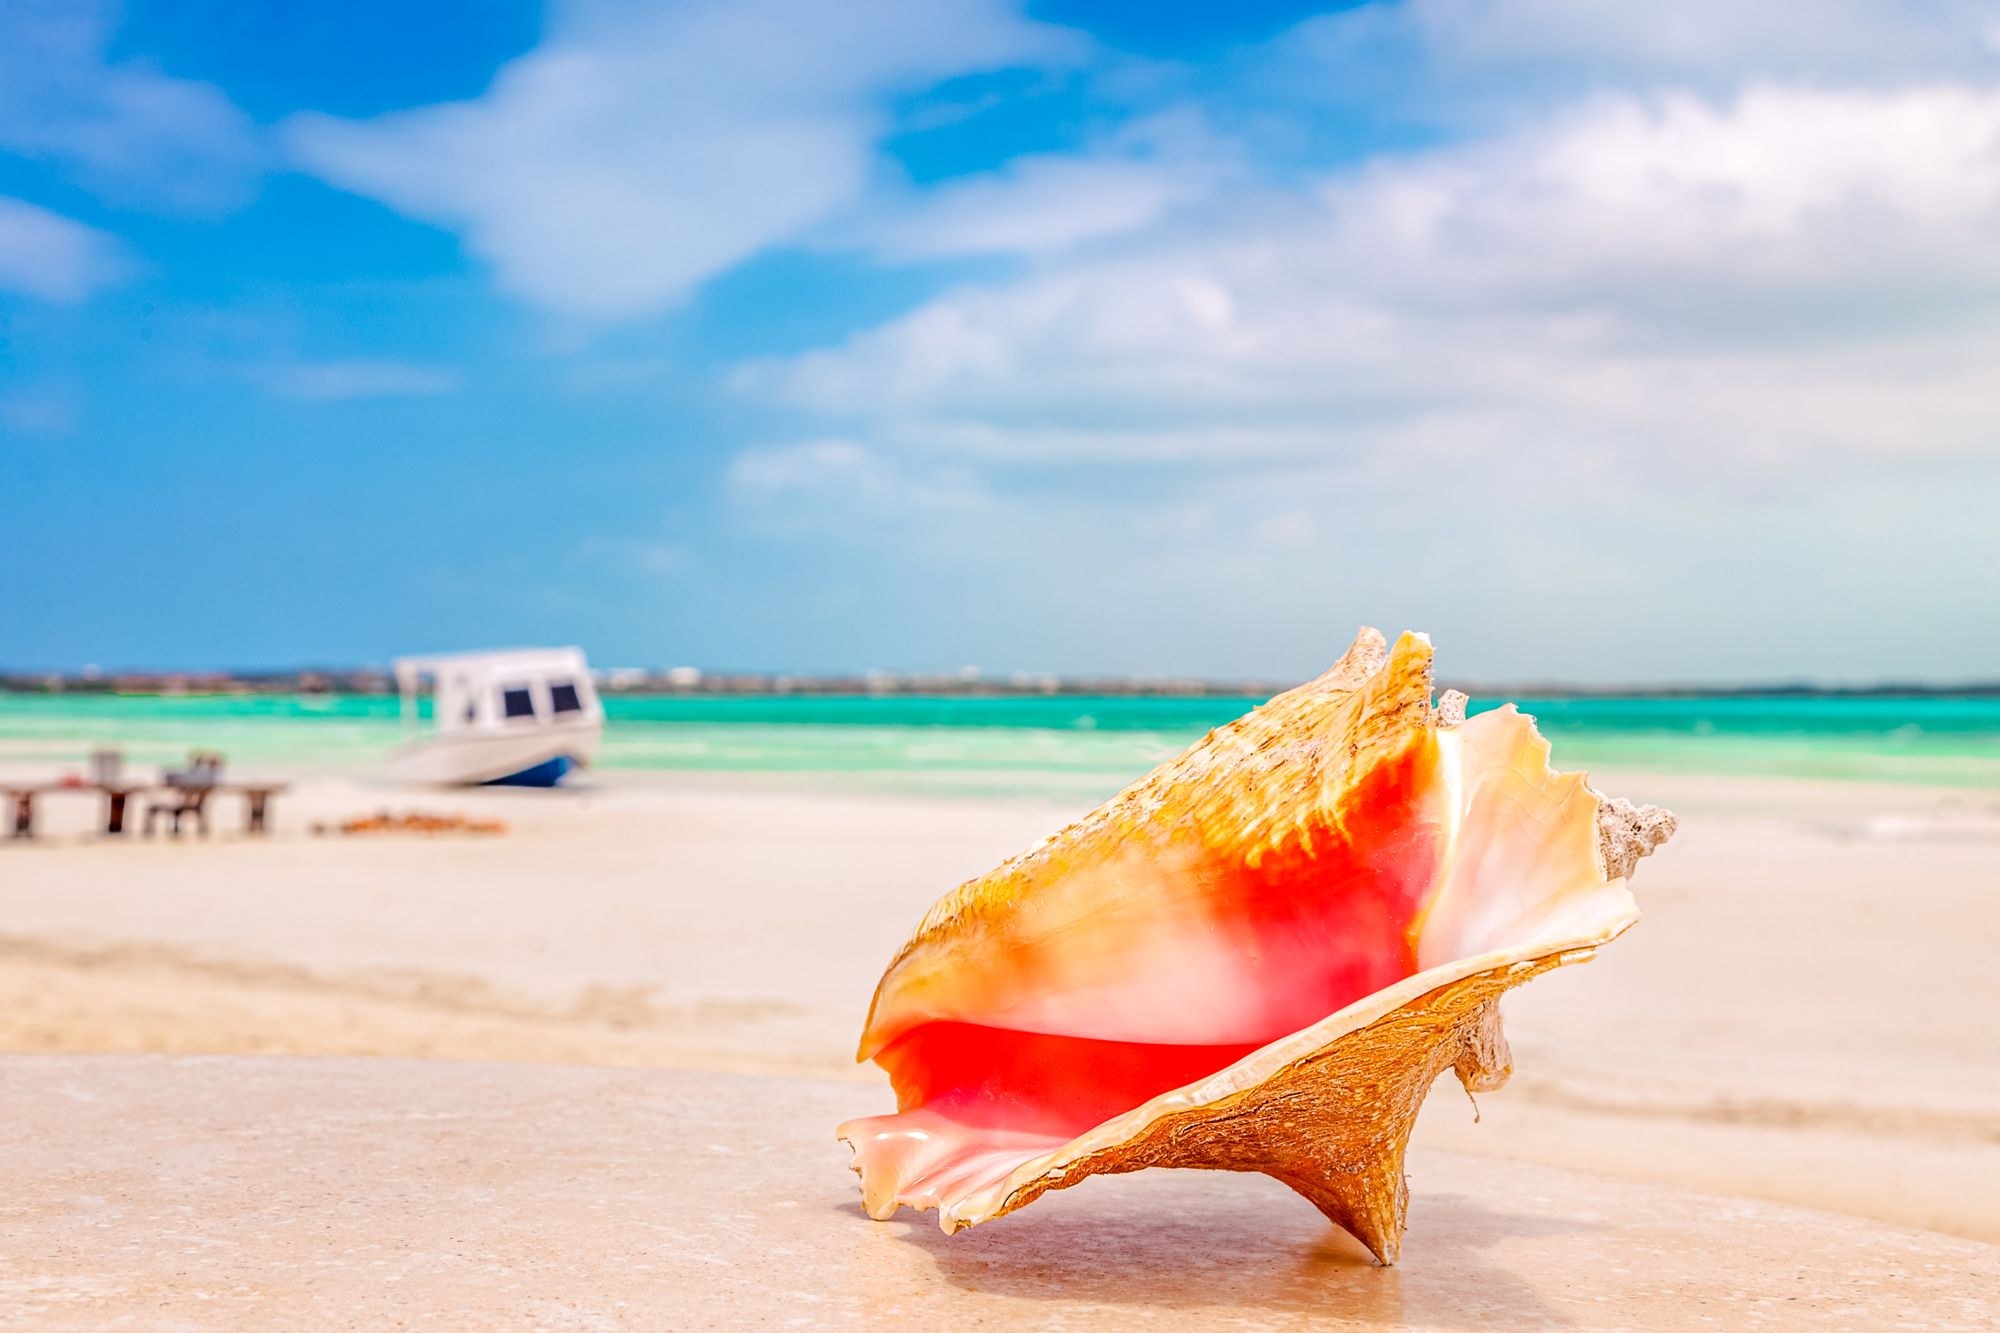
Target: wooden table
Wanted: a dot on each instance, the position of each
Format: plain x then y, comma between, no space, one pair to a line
114,802
23,798
115,795
257,797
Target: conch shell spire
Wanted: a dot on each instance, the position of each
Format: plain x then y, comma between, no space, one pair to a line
1258,957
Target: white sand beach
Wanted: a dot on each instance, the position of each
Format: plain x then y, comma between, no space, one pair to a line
1803,1016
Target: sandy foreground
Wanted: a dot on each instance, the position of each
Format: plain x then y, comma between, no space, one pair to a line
251,1193
1806,1015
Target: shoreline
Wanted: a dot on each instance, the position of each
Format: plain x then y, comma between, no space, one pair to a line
1081,788
1058,747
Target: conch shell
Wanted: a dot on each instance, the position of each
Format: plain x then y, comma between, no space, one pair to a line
1256,958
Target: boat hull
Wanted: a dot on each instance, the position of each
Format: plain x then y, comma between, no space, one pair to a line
545,774
540,757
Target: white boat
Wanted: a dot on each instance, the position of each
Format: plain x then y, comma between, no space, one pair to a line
524,717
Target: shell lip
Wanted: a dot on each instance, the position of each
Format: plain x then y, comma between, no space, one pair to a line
1252,1069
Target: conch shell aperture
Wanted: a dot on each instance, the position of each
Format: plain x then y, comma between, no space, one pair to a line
1256,958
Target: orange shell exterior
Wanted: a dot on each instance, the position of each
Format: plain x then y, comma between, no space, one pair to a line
1235,789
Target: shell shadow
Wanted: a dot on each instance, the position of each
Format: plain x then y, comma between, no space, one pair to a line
1192,1246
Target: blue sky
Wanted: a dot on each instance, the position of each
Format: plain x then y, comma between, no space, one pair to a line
1603,343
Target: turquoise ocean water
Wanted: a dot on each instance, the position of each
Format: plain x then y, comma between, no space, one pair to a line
1044,745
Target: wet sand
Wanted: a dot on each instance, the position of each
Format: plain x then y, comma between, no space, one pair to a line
1805,1014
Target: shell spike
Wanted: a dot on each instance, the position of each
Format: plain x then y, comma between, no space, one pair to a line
1368,1202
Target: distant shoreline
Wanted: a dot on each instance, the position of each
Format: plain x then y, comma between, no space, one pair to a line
876,685
1089,739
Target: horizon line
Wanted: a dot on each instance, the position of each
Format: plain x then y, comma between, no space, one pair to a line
966,681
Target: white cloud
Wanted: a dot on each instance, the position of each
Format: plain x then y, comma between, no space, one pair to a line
1043,203
810,465
127,131
815,485
1787,272
640,150
339,381
1649,372
1465,61
1787,187
1033,205
1872,40
46,255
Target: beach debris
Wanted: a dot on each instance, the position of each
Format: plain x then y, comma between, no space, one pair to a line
1256,958
412,821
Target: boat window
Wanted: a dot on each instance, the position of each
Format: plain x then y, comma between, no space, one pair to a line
562,697
517,703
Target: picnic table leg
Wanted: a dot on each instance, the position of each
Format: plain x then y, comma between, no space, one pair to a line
114,812
257,799
24,814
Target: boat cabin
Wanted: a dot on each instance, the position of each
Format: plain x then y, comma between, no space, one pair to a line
494,714
500,691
